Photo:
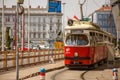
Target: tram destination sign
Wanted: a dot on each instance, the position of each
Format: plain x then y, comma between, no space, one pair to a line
76,31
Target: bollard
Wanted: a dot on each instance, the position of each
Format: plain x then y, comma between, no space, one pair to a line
42,73
115,74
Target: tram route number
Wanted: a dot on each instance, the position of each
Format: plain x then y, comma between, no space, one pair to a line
76,31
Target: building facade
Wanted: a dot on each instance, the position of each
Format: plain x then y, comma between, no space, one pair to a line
44,25
105,19
116,14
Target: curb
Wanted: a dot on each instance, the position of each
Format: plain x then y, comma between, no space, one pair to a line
37,73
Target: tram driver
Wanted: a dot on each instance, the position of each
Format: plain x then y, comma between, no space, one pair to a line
82,40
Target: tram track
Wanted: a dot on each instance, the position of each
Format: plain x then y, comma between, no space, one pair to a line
80,76
53,77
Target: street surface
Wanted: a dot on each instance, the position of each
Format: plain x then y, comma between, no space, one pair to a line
103,72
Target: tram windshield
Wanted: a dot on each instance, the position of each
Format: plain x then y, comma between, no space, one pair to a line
76,39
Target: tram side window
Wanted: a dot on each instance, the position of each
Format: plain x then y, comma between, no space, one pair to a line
100,37
110,39
97,37
92,38
113,40
105,38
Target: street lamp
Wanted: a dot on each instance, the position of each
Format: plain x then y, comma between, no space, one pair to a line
19,10
3,26
28,24
117,20
63,17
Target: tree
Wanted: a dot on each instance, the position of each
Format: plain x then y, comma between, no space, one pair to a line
8,39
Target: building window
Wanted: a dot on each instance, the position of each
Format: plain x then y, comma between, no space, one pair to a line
34,35
50,20
43,20
58,21
44,35
34,30
100,23
39,35
44,26
34,19
31,35
39,19
99,16
50,27
34,24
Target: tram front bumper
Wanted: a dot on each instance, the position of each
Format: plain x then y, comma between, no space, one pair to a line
77,61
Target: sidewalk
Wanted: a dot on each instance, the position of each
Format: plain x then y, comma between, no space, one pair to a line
31,71
107,73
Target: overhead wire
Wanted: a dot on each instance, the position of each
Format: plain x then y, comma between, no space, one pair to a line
96,3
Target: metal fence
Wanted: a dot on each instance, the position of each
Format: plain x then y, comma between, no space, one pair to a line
8,58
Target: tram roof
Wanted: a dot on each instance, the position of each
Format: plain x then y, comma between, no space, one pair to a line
82,25
86,25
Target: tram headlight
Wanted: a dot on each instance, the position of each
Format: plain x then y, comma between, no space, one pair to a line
76,54
70,22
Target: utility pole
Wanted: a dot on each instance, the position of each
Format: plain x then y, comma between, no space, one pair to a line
17,34
63,17
17,44
23,33
28,24
117,20
81,10
3,25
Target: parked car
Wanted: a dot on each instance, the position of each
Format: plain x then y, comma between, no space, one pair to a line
24,49
36,47
44,47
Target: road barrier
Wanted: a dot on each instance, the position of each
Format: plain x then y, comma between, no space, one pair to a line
8,58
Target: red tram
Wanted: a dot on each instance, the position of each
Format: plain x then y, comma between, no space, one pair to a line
89,52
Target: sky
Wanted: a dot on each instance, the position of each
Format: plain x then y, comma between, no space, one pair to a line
71,7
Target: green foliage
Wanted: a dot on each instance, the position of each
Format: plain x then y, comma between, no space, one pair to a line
8,39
